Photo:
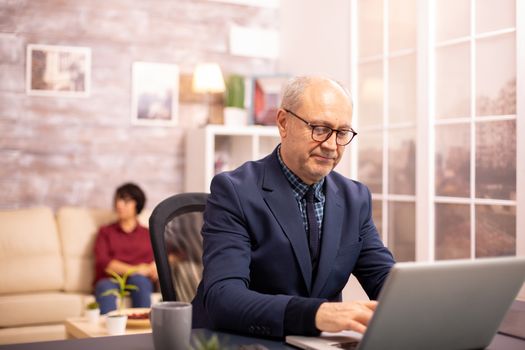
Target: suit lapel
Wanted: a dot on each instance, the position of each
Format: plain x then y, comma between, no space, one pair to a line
331,235
279,197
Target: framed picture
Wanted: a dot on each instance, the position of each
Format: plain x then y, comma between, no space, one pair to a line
266,98
155,94
58,70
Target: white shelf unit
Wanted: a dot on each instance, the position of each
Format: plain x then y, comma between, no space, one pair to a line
216,148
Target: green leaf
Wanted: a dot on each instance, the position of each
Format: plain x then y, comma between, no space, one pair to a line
209,344
123,287
92,305
131,287
234,91
114,292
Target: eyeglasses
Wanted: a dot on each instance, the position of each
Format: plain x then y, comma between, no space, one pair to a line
321,133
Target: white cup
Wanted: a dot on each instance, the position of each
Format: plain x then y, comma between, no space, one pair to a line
116,324
171,325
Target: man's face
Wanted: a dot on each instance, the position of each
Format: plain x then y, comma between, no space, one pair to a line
326,104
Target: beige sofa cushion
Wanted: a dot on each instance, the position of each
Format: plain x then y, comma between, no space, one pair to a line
78,228
30,257
40,308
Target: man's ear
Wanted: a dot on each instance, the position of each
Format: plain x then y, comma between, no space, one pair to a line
281,122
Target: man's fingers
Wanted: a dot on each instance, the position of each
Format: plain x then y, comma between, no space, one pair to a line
335,317
363,315
357,327
371,304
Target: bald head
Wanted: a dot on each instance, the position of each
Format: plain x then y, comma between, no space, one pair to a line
293,92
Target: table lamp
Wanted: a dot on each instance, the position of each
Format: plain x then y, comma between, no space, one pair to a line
207,78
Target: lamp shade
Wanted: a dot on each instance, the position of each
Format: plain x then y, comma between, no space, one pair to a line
207,77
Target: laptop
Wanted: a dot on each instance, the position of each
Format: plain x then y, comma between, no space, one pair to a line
455,304
514,322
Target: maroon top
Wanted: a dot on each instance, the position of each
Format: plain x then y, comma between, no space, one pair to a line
113,243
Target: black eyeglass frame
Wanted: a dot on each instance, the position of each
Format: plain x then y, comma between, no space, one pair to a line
313,126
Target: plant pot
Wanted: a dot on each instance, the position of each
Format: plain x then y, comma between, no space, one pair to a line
235,116
116,324
92,315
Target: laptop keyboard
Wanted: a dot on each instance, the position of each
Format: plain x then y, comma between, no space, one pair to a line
349,345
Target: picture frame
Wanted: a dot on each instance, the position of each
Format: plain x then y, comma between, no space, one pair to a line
155,94
266,98
54,70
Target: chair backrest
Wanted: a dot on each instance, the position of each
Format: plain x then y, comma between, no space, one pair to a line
175,229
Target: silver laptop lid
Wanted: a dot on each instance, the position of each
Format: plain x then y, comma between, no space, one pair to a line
456,304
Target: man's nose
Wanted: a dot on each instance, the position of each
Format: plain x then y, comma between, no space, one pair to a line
330,142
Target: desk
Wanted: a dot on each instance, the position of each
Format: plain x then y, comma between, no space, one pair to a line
142,341
514,322
145,342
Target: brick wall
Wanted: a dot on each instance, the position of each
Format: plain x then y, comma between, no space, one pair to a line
74,151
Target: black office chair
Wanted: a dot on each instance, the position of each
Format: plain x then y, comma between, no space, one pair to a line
175,230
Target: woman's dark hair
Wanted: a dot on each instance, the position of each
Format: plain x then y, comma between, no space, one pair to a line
131,191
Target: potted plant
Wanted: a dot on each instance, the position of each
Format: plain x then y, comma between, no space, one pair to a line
116,322
92,312
213,343
234,111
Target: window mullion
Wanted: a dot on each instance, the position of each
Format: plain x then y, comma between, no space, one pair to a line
425,135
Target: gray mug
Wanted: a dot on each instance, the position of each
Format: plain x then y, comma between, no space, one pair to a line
171,325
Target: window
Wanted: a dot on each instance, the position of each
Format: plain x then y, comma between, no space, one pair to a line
386,67
437,111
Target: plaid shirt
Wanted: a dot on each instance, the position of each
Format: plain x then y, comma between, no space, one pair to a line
299,189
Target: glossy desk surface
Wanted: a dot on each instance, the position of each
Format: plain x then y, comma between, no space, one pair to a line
232,341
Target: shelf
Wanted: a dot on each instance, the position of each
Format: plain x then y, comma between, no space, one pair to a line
217,148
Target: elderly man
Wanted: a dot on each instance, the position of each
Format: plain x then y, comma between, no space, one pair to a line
283,234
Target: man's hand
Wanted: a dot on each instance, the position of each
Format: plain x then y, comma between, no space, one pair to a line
352,315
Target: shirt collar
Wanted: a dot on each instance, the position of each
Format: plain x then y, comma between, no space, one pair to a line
119,228
298,186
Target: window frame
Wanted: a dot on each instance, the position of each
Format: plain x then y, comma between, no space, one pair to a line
425,197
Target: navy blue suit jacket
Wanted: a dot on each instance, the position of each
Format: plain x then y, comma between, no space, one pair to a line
256,255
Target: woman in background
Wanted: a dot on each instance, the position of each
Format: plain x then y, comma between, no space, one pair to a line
125,245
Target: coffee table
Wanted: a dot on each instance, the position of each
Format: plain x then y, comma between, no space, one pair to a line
79,327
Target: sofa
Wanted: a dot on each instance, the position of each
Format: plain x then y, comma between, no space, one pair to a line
47,269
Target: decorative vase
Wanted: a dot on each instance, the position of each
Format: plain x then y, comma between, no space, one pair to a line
92,315
116,324
234,116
